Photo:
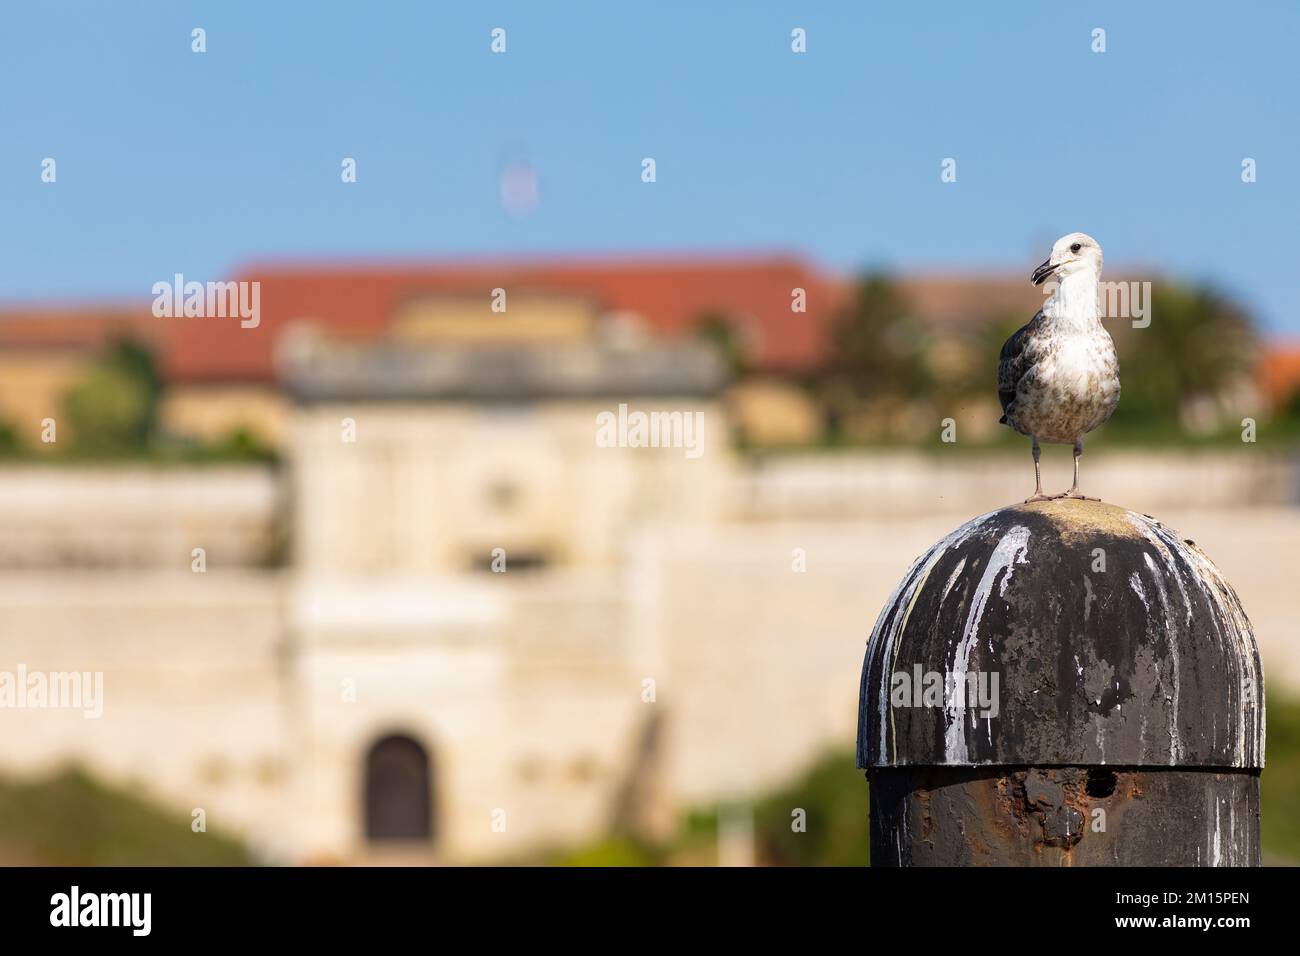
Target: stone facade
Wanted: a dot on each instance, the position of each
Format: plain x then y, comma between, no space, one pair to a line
668,631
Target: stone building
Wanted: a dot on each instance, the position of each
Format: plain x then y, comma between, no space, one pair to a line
470,615
464,638
418,639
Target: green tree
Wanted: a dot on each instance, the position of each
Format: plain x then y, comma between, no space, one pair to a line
721,331
835,824
1280,783
1198,345
11,444
878,355
878,346
113,409
1291,407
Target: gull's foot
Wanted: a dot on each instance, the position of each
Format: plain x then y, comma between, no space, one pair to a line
1039,497
1080,496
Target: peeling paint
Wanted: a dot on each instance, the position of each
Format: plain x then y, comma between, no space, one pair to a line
952,579
999,567
1093,666
890,625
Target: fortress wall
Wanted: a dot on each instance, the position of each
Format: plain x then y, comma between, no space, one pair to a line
761,663
222,691
192,692
135,516
849,484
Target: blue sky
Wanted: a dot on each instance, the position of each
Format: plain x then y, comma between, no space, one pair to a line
171,161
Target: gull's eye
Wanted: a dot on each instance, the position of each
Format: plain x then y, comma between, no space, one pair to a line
1076,247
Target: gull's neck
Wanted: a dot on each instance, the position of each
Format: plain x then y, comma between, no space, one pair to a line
1075,302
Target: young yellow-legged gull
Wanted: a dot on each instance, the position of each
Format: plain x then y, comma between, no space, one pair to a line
1058,377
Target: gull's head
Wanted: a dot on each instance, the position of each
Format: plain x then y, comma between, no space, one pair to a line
1077,252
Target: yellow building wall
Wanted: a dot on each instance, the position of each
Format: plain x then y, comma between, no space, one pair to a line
32,386
212,412
526,318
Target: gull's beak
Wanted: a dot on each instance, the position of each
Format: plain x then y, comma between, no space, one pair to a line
1042,272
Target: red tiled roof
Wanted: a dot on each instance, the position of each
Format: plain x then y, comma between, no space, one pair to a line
670,294
1279,372
80,327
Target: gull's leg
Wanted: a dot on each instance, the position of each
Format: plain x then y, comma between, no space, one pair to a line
1038,477
1074,488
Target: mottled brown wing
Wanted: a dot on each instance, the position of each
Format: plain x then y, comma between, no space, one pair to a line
1013,364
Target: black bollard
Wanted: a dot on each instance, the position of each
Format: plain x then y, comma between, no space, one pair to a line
1063,683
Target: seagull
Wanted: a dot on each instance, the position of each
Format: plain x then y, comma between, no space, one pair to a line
1058,377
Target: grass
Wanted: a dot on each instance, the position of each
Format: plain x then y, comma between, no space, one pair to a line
1280,782
834,794
821,819
71,819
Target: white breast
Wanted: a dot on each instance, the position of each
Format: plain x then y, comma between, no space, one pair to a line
1075,366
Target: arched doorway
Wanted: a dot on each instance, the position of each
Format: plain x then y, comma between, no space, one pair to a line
397,790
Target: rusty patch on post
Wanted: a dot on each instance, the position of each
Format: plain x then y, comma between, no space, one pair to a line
1063,816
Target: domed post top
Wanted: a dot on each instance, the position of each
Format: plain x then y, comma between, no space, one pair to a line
1064,634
